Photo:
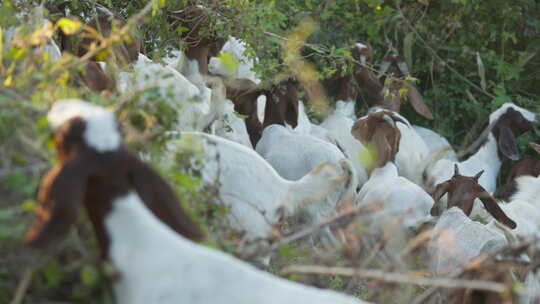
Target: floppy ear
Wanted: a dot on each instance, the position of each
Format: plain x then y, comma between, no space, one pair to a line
440,190
160,198
417,102
60,198
507,143
493,208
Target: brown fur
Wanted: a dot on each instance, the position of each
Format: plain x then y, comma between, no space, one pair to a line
201,47
376,130
84,177
386,92
244,93
282,103
463,190
96,79
529,167
125,52
508,127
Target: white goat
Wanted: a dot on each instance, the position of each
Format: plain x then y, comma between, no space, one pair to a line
136,217
194,105
255,192
506,123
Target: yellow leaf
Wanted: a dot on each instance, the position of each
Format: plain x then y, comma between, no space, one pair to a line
368,157
8,81
63,79
69,26
101,55
229,62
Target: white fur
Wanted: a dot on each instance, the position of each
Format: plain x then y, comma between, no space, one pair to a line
157,265
339,126
237,49
458,239
361,45
254,191
195,107
436,143
294,154
231,127
101,131
400,198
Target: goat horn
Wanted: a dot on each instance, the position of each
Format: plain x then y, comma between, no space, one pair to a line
389,119
472,147
477,176
456,170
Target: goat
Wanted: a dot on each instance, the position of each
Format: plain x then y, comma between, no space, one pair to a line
506,124
462,192
339,125
457,239
381,92
399,196
194,104
201,45
281,107
136,218
255,192
95,170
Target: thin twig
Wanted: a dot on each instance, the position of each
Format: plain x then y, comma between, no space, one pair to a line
396,277
20,292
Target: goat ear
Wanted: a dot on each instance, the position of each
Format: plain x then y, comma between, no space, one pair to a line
415,99
60,197
160,198
493,208
440,190
507,143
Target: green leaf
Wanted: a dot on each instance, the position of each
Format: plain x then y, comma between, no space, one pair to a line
89,275
481,71
52,274
407,49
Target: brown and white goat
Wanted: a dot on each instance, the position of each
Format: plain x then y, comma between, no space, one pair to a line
93,172
457,239
463,190
281,103
385,92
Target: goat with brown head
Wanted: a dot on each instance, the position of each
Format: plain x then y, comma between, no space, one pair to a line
201,46
379,130
94,170
463,190
244,93
282,103
385,92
